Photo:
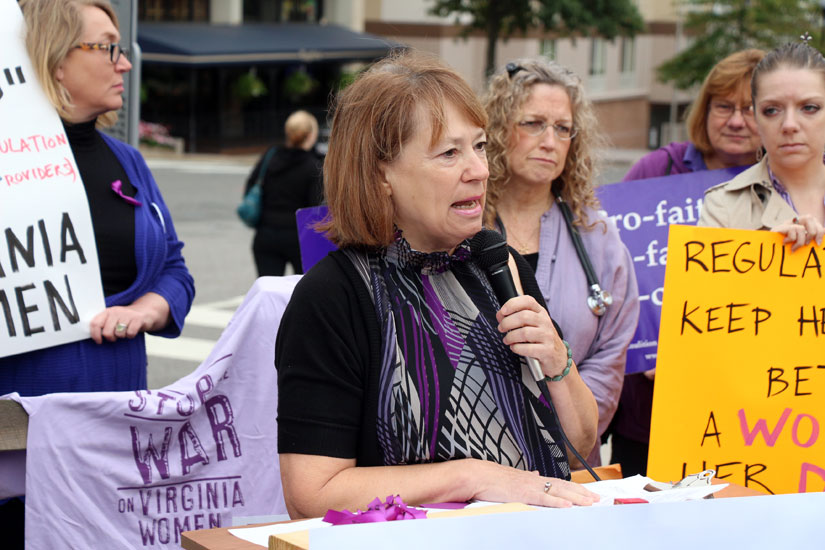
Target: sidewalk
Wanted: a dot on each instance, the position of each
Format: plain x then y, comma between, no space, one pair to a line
624,156
160,154
613,157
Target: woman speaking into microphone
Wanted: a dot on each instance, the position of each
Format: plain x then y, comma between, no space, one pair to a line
399,372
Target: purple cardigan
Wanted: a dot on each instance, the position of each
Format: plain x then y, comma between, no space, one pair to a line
599,344
674,158
120,365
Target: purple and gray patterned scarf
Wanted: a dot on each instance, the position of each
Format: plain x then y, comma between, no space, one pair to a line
449,387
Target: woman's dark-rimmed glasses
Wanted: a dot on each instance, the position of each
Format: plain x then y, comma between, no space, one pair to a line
115,50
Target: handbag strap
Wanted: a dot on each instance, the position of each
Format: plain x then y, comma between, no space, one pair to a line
259,181
669,163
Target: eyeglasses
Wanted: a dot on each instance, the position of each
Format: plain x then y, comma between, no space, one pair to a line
115,50
724,109
537,128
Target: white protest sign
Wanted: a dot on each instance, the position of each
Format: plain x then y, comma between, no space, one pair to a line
50,284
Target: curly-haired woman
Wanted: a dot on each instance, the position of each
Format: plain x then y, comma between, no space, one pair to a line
542,138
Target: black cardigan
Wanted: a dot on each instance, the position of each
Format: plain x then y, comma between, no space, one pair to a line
332,299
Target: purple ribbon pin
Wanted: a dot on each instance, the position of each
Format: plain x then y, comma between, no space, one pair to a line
117,187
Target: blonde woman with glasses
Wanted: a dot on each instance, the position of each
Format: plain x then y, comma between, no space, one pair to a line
542,136
74,48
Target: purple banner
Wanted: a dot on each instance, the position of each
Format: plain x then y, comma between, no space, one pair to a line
314,245
643,211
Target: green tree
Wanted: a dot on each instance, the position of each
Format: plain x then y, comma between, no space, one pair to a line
717,29
503,18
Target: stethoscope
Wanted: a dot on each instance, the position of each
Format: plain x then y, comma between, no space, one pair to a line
598,300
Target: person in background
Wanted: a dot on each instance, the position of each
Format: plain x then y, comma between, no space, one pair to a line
73,46
722,134
292,180
542,138
785,191
719,123
412,378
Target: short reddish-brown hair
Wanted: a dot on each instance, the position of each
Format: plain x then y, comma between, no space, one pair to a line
729,76
373,118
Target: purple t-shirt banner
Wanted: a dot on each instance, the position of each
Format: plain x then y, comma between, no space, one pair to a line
136,469
643,211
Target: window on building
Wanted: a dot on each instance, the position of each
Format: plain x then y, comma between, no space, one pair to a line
548,48
277,11
628,52
598,56
173,10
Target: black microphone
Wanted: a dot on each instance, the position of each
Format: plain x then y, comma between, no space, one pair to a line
489,251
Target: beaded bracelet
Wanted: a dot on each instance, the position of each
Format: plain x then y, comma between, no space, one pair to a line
566,370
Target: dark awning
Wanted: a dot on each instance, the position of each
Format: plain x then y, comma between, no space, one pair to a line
204,44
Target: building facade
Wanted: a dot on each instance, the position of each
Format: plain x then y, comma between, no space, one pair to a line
635,110
224,75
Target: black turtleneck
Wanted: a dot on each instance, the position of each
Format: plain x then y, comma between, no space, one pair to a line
113,218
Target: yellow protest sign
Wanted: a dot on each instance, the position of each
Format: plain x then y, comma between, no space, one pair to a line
740,376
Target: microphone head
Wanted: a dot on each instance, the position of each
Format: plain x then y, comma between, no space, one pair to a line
489,249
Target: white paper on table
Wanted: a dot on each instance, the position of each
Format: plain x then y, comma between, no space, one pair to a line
260,535
633,487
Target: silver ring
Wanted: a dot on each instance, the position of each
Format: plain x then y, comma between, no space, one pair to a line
120,327
547,485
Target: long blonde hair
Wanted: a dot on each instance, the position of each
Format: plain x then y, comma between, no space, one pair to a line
504,99
53,28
